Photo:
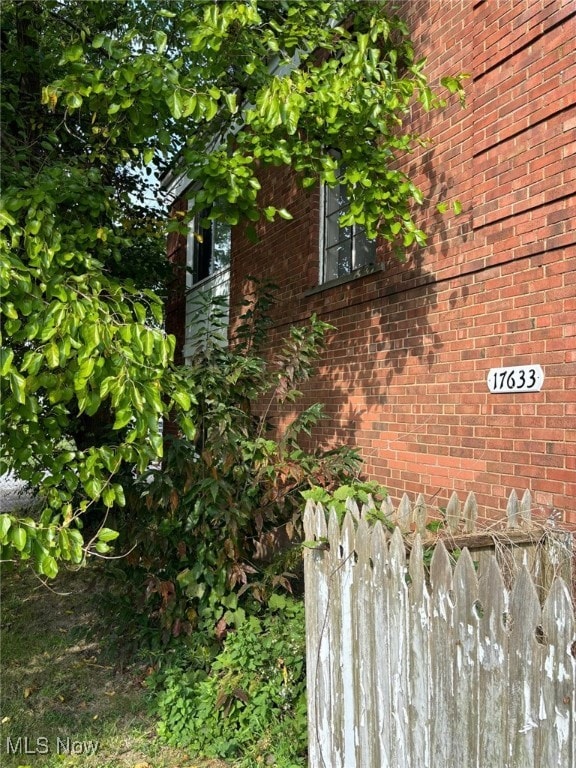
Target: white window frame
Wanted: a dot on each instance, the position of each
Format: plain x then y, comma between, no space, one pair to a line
216,284
192,248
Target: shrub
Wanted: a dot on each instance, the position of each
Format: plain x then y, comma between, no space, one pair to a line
202,520
251,703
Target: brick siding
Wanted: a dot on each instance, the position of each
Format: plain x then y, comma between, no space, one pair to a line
404,375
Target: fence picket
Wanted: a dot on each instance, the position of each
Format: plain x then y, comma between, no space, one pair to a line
420,514
380,631
470,513
465,587
526,507
524,672
318,628
493,665
512,510
453,513
558,673
420,691
347,637
397,641
441,646
404,514
335,750
365,700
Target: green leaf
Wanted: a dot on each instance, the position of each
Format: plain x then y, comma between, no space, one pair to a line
107,534
188,428
174,102
85,369
211,109
74,53
18,537
52,355
140,312
91,335
183,399
6,219
98,40
231,102
123,417
5,524
49,566
108,497
277,602
119,493
18,387
160,40
6,357
93,487
457,207
73,100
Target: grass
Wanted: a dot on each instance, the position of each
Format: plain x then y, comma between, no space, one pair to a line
65,702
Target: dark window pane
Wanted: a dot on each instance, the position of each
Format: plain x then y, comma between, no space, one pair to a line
336,199
338,260
334,233
364,249
203,255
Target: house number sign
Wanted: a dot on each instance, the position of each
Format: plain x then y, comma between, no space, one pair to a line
518,378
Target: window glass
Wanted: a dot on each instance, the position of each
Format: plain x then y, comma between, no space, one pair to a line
338,260
345,249
334,233
221,246
364,249
209,249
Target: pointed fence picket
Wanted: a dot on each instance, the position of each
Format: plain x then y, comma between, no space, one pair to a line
424,665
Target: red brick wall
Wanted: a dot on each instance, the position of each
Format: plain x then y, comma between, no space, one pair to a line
404,376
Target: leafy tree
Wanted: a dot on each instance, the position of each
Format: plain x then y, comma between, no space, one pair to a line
95,98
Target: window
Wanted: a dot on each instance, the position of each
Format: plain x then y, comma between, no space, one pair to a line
207,282
208,250
344,249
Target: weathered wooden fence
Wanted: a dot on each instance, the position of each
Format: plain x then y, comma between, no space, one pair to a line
446,666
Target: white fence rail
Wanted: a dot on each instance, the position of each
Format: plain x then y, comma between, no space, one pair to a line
446,667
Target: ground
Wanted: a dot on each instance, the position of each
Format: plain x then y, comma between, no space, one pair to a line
65,698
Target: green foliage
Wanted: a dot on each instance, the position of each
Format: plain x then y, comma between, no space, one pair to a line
216,527
85,363
96,99
367,492
250,702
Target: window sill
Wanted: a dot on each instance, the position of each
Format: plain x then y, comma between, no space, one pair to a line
356,275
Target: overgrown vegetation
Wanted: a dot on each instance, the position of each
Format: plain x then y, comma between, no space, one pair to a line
214,529
252,704
95,98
